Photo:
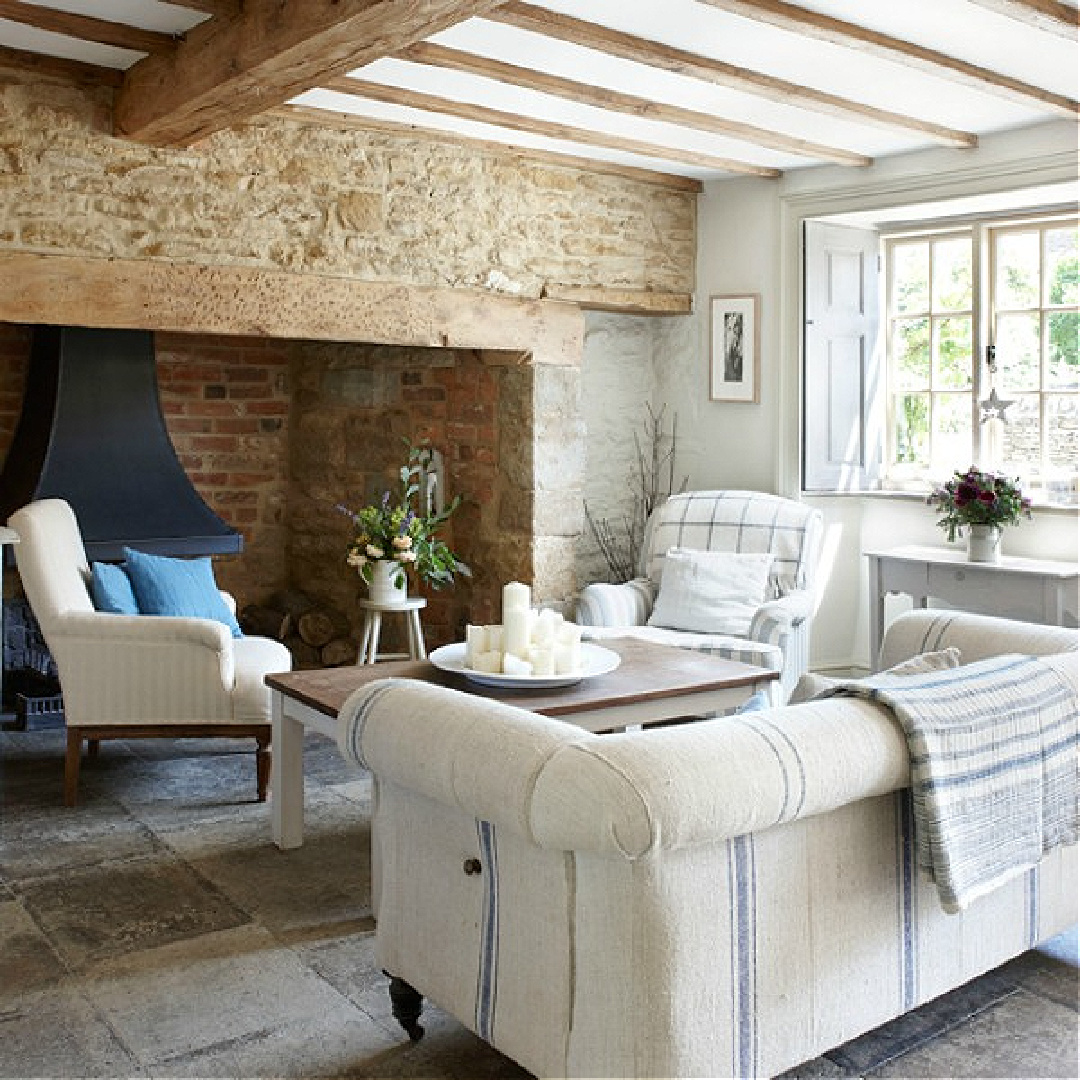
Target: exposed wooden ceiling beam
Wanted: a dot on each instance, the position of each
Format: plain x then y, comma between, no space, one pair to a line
209,7
668,58
59,67
86,28
615,101
350,121
230,68
814,24
1050,15
551,129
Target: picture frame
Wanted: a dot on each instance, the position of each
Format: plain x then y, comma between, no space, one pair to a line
734,368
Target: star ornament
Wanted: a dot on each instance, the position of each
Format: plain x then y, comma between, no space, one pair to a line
993,408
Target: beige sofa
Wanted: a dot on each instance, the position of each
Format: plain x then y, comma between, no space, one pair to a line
726,898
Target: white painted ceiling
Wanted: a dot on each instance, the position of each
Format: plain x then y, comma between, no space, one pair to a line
963,29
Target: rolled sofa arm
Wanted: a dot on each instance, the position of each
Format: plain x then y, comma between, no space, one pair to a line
185,666
773,621
623,795
604,604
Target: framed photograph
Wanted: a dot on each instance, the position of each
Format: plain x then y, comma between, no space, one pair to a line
733,337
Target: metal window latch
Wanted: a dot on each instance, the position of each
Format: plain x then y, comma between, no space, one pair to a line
472,866
991,358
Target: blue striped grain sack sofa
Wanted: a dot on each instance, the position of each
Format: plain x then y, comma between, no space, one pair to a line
726,898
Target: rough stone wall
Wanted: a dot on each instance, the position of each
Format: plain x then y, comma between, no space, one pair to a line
375,204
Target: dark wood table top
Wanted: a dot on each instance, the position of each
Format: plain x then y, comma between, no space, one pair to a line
648,672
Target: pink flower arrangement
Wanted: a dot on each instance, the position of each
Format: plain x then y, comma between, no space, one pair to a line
978,498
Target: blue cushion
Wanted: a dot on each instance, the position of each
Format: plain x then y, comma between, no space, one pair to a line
110,589
756,702
165,586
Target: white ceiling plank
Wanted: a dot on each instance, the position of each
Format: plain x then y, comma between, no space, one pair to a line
822,27
653,53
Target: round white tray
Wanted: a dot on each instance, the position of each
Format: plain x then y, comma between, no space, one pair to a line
595,660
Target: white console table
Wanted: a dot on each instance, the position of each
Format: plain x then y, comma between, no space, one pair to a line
1035,590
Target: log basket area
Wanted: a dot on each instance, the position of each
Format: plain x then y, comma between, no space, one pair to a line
317,634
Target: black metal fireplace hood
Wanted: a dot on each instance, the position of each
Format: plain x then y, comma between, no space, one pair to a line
91,432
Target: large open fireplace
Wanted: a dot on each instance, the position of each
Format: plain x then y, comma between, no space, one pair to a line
275,431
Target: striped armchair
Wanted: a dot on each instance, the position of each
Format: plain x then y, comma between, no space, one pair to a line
745,522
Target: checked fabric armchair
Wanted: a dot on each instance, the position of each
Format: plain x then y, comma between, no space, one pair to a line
774,633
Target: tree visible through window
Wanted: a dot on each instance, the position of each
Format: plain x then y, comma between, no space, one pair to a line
940,414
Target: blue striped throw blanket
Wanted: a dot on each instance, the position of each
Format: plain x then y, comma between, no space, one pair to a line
993,767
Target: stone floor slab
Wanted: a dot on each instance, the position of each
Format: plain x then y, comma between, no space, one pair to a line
212,991
106,910
50,838
326,880
28,963
57,1034
1019,1038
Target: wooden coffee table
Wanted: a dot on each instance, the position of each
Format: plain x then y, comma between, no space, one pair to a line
653,684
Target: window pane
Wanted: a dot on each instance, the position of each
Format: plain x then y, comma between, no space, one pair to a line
1061,410
1063,327
1017,270
911,428
911,347
952,275
911,277
1018,351
1021,448
1061,266
953,343
952,432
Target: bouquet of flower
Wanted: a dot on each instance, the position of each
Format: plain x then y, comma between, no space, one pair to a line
978,498
396,530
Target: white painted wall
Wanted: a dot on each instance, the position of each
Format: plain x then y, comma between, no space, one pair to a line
617,380
749,242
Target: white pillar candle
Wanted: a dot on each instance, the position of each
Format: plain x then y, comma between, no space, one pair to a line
490,663
515,597
495,638
516,631
543,661
545,627
515,665
568,633
476,638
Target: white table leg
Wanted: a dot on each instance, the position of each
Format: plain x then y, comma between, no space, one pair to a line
373,638
287,783
416,637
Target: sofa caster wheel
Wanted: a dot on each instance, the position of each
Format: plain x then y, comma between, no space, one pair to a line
406,1003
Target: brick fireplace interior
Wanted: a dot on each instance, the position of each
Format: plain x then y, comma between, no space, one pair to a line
274,433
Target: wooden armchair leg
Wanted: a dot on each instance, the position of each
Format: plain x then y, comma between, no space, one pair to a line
71,766
262,765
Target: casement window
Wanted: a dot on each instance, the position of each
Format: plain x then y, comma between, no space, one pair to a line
928,351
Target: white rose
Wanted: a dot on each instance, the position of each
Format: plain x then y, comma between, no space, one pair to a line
406,556
375,552
402,543
354,558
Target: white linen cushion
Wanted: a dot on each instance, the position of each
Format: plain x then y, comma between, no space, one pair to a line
711,592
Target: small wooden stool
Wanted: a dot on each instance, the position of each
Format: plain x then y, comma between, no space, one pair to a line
373,613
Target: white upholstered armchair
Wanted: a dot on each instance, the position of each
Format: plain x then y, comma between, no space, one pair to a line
137,676
756,608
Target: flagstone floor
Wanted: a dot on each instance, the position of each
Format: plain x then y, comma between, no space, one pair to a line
156,931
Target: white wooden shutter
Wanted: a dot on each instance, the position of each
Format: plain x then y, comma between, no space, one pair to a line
843,364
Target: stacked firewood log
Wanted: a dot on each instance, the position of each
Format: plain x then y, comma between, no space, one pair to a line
316,634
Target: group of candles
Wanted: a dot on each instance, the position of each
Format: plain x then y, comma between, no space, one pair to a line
540,644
